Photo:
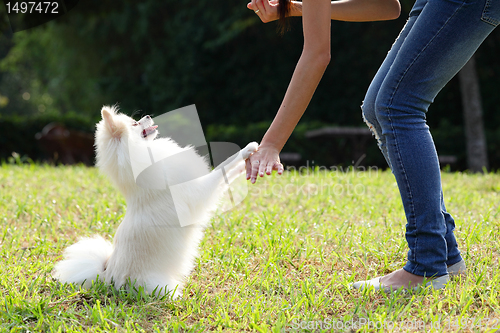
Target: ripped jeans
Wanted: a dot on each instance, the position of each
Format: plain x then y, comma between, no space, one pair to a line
436,42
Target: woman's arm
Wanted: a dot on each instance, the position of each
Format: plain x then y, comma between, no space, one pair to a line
341,10
310,68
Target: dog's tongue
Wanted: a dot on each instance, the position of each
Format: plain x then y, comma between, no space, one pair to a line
149,130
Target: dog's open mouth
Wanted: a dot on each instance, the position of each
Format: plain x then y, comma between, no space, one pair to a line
148,131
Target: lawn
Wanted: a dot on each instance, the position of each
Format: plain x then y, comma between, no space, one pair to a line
280,261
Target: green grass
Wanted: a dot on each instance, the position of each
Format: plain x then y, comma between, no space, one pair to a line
274,263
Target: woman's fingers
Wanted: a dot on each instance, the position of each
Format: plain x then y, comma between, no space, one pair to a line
269,168
255,170
278,167
262,169
248,167
253,5
258,7
266,5
266,10
274,166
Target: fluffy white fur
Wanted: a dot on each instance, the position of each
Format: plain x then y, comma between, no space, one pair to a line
150,247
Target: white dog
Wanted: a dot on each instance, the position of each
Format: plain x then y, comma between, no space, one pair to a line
150,249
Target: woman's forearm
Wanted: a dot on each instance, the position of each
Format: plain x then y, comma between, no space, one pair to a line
308,72
316,25
358,10
305,79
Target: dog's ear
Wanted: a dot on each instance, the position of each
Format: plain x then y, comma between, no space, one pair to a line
113,127
107,116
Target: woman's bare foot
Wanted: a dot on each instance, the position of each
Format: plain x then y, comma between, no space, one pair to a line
401,278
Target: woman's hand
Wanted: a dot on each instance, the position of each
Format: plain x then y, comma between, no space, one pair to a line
265,159
341,10
266,10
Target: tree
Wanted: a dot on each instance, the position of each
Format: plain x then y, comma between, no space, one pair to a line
477,157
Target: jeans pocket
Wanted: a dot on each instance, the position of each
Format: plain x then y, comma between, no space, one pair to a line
491,12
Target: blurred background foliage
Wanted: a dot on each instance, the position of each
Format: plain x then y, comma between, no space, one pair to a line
151,57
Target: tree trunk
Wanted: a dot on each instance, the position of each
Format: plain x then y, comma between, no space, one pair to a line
477,157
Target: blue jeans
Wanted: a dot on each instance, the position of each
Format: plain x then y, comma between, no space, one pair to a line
436,42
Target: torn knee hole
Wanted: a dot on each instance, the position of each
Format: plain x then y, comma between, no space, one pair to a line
372,128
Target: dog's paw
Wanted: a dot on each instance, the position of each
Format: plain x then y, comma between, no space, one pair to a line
249,149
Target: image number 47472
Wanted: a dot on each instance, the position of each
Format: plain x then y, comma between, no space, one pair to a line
29,14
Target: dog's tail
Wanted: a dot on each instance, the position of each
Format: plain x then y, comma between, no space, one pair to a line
83,261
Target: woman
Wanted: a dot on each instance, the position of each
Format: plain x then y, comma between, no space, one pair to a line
438,39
